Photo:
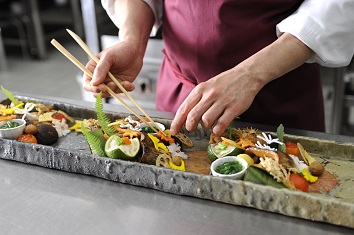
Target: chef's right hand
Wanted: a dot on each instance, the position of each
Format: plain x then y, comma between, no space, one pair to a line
123,60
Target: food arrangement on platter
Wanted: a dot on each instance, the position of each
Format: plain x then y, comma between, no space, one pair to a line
270,160
72,153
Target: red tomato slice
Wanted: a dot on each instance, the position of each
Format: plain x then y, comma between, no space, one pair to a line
58,116
300,182
28,138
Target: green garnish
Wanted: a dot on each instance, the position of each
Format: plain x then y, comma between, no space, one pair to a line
229,131
119,140
221,146
229,168
9,125
147,129
259,176
10,96
95,139
102,118
280,135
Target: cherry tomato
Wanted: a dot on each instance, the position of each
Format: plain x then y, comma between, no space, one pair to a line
300,182
58,116
28,138
291,148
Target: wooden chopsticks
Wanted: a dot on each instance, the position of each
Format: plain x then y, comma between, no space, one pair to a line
90,74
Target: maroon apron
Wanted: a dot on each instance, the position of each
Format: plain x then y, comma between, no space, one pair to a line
206,37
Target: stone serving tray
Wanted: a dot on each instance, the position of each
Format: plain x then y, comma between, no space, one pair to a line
72,154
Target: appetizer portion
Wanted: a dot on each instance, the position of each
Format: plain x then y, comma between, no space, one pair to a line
272,161
131,140
44,124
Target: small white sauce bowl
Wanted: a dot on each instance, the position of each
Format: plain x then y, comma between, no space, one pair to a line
12,133
220,161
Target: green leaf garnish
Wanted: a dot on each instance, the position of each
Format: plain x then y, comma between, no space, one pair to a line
10,96
259,176
221,146
95,139
280,135
102,118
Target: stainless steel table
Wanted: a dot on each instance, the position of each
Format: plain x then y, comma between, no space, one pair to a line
37,200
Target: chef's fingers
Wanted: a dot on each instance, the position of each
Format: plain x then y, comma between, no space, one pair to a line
183,111
128,86
204,112
210,116
222,123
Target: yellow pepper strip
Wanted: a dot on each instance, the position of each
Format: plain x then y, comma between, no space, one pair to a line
310,178
75,126
180,168
8,111
157,143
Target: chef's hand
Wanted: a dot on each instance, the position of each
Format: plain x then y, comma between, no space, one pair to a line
217,102
123,60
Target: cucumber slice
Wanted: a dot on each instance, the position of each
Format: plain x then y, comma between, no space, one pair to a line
214,152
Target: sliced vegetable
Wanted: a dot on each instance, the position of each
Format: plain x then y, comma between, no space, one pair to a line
305,155
165,137
6,118
214,152
299,182
28,138
247,158
291,148
221,146
158,145
58,116
122,151
126,140
310,178
259,176
182,167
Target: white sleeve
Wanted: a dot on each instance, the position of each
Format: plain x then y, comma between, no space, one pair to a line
155,5
327,27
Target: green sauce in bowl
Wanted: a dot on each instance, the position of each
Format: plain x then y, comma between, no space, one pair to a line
229,168
9,125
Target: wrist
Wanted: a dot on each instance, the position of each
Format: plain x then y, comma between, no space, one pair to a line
275,60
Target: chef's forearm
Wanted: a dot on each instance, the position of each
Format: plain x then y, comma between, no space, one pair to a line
275,60
135,19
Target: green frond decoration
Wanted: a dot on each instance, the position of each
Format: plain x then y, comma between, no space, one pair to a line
102,118
95,139
280,135
10,96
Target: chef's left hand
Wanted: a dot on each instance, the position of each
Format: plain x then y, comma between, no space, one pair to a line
218,101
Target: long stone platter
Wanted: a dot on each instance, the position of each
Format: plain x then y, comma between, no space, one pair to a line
72,154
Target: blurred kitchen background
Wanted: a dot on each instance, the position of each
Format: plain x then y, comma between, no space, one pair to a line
29,64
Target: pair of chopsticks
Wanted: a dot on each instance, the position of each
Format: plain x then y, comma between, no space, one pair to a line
90,74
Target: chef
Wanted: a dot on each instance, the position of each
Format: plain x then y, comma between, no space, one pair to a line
256,60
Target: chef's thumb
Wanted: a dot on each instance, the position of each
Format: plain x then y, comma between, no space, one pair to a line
100,72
